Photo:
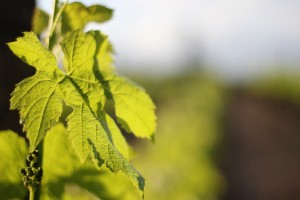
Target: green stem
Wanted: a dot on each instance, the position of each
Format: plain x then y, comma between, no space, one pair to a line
57,12
31,193
40,161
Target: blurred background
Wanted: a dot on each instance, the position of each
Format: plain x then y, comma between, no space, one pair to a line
225,77
230,38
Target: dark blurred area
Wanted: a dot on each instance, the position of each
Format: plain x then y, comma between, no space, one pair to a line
15,18
215,140
261,158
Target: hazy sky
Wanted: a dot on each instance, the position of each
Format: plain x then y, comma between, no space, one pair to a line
232,37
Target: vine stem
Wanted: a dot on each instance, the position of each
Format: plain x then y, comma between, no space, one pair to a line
31,193
57,12
37,191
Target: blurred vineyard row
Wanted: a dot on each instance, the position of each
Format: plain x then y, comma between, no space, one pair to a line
221,141
182,164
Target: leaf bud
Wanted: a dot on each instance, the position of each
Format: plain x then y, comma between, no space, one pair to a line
23,171
29,171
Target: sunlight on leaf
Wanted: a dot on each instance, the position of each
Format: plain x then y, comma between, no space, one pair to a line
85,89
38,97
32,52
134,108
40,103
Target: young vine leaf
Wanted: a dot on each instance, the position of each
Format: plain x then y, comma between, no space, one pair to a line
77,16
40,21
85,88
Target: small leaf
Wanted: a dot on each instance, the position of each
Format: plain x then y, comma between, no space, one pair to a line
32,52
76,16
39,21
38,98
13,151
39,101
134,108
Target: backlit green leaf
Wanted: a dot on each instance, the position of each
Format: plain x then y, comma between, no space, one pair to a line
88,126
38,98
31,51
39,101
76,16
134,108
85,88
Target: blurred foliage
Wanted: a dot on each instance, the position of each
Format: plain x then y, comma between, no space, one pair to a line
182,163
39,21
12,159
278,86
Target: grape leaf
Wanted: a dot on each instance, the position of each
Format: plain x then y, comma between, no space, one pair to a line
76,16
30,50
40,103
134,108
38,97
85,89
